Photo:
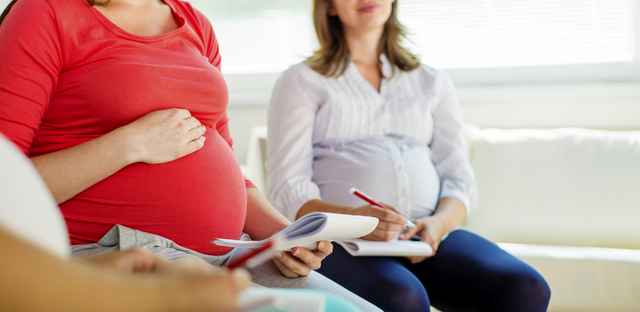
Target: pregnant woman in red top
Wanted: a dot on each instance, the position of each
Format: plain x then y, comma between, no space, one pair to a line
121,105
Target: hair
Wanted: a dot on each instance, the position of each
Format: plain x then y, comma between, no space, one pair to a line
332,58
8,8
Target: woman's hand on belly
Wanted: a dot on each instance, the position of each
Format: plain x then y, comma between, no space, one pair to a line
163,136
301,261
390,224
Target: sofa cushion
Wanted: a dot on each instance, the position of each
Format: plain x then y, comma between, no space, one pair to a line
558,187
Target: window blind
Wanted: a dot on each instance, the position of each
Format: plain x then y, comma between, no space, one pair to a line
269,35
507,33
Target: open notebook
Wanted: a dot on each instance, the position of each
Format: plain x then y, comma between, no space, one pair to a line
341,228
311,228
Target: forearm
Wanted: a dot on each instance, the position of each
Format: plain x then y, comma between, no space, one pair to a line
450,212
34,280
70,171
262,220
322,206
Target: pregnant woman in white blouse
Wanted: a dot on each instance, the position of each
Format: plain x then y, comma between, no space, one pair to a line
364,112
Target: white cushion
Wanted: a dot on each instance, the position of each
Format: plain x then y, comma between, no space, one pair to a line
558,187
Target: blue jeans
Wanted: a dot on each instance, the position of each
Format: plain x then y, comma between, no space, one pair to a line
468,273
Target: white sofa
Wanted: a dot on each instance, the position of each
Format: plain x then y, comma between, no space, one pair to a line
566,201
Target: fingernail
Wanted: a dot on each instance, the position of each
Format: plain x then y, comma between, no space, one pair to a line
320,245
297,252
279,255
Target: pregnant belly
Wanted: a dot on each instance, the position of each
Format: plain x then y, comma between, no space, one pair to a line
392,171
191,201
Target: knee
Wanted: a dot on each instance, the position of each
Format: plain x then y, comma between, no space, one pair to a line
406,298
529,291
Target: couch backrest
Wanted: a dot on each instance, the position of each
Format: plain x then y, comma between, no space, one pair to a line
561,187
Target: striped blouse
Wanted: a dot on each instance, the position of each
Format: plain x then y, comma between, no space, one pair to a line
404,145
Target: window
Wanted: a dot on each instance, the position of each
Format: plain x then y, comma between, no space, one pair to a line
260,36
476,41
510,33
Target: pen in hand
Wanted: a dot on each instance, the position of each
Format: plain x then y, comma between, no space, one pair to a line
370,200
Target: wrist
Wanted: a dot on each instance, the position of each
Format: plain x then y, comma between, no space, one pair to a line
127,148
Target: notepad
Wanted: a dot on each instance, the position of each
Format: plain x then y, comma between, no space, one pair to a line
311,228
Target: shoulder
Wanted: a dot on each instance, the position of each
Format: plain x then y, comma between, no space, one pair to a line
192,16
432,74
301,79
303,75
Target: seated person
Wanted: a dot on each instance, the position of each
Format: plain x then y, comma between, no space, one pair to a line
364,112
113,100
38,275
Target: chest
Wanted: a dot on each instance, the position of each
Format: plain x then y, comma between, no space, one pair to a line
354,110
118,81
152,19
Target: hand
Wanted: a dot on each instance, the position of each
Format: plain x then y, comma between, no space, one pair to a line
301,261
163,136
192,285
390,224
431,231
129,261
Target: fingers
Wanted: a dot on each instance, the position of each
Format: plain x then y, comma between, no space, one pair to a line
240,279
189,264
389,226
409,232
129,261
415,260
311,259
385,215
293,265
323,249
382,235
286,271
195,145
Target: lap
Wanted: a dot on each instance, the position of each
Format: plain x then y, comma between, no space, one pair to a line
469,272
267,274
384,281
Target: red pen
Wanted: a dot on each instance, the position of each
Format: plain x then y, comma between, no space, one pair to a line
370,200
254,253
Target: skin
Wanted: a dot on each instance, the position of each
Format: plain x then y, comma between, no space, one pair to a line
34,280
158,137
363,23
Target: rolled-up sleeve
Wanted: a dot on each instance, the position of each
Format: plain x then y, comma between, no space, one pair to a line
289,165
450,151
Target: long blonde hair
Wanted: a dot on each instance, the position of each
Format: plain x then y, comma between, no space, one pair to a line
332,58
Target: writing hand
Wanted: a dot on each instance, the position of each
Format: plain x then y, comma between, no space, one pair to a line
390,223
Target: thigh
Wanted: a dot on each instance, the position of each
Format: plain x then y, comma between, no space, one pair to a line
384,281
470,273
268,275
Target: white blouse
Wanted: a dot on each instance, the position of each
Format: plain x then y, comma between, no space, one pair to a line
403,146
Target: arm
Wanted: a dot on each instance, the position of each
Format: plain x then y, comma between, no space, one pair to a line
34,280
450,157
263,221
157,137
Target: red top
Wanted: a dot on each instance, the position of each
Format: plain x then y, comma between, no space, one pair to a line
69,75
